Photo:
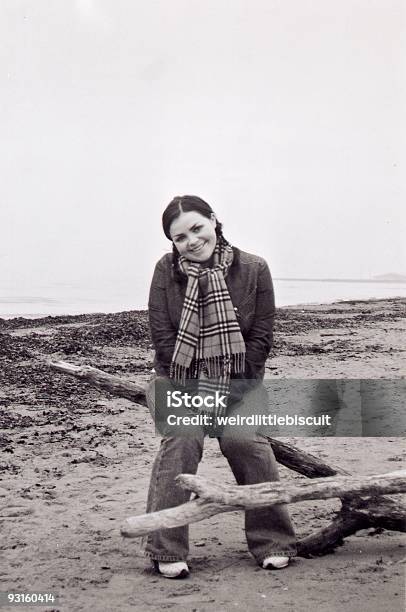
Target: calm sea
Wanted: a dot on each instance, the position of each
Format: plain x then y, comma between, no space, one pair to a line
61,299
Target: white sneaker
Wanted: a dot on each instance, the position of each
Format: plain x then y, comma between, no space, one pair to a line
178,569
275,562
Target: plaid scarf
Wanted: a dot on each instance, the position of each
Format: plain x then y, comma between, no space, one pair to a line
209,344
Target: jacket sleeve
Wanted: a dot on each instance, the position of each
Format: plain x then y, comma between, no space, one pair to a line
259,340
163,333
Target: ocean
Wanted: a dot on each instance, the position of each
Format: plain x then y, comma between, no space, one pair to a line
71,299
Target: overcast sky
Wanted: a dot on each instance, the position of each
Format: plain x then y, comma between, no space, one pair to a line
287,116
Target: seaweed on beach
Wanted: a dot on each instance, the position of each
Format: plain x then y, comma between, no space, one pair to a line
132,331
115,317
13,348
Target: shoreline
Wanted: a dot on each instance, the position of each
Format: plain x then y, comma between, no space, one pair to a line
38,316
118,310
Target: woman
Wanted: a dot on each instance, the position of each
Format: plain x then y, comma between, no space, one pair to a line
211,311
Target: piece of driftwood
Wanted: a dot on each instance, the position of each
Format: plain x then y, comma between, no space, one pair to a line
286,454
269,493
135,392
214,498
362,503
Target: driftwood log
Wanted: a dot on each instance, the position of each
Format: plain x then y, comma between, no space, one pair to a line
362,503
287,455
214,498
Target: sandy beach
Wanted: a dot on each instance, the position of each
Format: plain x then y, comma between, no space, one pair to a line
76,462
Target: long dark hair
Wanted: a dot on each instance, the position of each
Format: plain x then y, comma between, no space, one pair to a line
187,203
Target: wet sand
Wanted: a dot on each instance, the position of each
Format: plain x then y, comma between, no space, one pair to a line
75,462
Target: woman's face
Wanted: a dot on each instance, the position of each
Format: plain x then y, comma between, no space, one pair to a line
194,235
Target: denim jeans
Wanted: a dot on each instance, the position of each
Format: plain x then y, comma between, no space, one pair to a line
269,530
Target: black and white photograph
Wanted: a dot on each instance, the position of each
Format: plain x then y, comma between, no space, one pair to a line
202,305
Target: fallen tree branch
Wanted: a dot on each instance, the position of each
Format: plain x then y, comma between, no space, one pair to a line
269,493
133,391
304,463
215,498
287,455
360,513
191,512
325,540
380,512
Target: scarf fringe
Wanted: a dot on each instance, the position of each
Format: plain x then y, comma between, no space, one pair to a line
181,373
216,366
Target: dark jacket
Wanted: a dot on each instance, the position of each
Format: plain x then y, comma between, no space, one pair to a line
250,285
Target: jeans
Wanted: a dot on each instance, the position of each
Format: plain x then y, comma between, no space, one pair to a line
269,530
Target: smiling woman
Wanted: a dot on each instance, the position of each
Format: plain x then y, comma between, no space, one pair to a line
211,312
193,228
194,236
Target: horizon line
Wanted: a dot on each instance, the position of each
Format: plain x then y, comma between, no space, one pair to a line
342,280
